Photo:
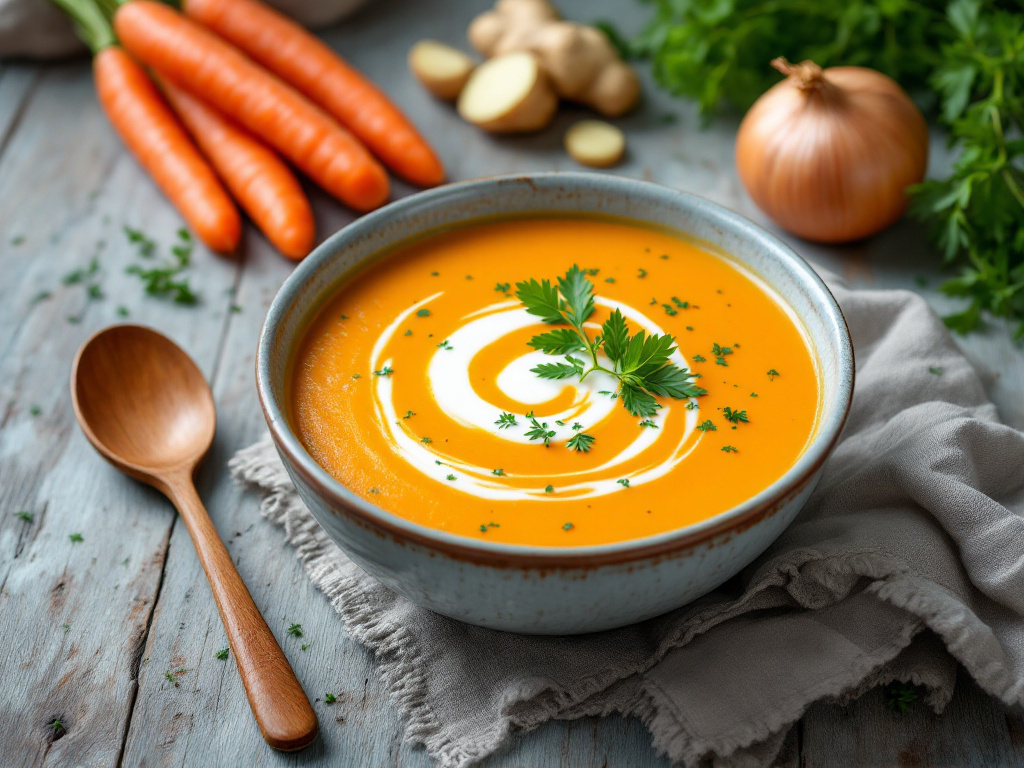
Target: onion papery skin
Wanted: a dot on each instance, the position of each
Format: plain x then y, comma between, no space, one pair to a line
831,160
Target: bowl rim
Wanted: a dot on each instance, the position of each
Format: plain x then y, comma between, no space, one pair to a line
742,516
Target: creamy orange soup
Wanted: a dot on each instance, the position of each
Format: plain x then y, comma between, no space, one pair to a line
401,383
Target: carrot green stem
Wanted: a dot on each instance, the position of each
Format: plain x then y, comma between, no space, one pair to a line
90,23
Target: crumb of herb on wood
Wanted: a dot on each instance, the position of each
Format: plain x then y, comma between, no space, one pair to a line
28,517
330,698
57,727
122,311
222,654
899,696
76,538
935,371
295,630
305,646
172,676
34,410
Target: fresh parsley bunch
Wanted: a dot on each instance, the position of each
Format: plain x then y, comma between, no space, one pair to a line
640,362
962,60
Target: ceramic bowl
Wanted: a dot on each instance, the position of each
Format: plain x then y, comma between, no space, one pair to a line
546,590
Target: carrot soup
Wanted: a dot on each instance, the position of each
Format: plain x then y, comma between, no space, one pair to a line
555,382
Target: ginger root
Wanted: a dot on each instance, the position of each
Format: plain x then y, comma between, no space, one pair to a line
508,94
580,61
441,69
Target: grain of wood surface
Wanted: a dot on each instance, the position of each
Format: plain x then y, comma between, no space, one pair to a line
93,633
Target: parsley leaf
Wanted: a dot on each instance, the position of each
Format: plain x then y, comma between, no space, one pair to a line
580,442
506,420
616,335
641,362
539,431
574,367
734,416
558,342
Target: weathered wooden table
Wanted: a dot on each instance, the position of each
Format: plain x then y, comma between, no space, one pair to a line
89,629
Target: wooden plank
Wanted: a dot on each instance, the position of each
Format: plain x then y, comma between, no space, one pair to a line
971,732
16,84
74,616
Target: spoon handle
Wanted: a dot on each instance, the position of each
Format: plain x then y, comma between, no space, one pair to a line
281,707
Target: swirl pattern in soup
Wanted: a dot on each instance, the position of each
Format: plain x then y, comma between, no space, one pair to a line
414,386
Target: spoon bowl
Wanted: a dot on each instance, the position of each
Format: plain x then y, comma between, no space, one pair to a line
142,402
146,407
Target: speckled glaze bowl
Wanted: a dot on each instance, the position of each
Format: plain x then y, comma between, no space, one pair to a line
544,590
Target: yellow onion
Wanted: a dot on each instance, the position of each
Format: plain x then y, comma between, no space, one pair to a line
829,154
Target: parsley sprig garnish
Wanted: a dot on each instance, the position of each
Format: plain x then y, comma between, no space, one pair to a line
640,362
539,431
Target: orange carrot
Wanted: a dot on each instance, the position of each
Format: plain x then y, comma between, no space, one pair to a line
195,59
259,180
146,124
303,60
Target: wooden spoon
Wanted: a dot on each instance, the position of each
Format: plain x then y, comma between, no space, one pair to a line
145,406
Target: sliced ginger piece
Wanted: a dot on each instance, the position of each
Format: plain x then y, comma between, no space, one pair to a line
441,69
595,143
508,94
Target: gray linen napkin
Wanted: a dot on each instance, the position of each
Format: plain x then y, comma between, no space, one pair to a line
909,555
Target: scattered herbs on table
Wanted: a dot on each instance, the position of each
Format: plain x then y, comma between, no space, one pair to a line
330,698
28,517
295,630
76,538
164,279
222,654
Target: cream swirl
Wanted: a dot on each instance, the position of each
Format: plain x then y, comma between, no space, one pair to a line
450,385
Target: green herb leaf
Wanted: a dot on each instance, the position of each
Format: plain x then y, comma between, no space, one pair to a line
222,654
506,420
541,299
580,442
578,293
560,341
638,402
734,416
616,336
567,370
